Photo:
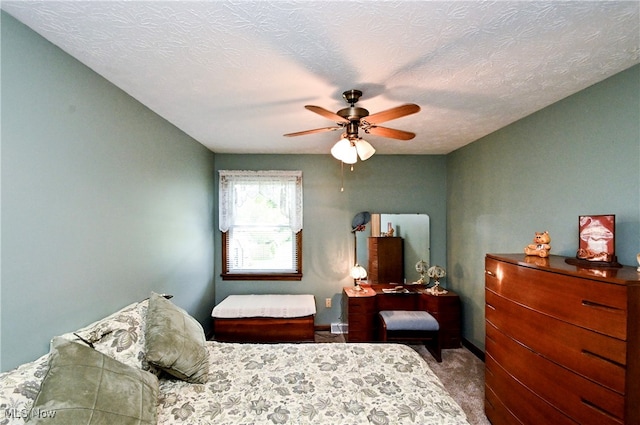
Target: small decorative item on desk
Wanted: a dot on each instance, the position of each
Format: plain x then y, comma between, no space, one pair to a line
540,246
596,237
422,267
638,258
390,230
436,273
532,259
596,242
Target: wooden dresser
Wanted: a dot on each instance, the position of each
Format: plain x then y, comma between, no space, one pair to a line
562,342
386,259
361,309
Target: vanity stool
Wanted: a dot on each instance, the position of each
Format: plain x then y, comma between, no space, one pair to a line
405,326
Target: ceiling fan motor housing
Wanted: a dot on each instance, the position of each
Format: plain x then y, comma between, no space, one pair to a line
353,113
352,129
352,96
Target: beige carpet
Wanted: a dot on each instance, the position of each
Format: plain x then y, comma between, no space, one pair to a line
461,373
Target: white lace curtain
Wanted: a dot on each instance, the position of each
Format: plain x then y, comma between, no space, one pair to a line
283,188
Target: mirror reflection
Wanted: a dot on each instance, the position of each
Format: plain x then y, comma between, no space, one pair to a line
413,229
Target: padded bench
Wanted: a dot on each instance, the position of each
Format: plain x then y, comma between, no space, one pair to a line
265,318
411,326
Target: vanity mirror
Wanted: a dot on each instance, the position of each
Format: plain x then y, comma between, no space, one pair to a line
412,228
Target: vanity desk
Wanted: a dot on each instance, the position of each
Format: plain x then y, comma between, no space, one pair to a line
361,310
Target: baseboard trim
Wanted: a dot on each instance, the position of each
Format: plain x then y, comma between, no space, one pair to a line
322,328
474,350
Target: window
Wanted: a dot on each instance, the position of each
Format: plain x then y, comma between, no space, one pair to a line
260,216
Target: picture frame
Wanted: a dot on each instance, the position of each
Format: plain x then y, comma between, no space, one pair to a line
596,241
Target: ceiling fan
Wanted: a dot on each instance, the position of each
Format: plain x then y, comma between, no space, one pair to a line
353,118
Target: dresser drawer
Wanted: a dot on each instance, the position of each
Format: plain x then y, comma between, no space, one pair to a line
593,355
360,309
579,398
508,398
360,306
360,322
361,328
495,409
397,302
448,303
591,304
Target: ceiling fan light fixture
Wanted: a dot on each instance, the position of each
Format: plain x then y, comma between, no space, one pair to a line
345,151
364,149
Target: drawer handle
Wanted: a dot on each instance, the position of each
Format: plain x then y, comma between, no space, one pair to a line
490,306
488,371
599,357
490,273
491,406
588,303
488,340
599,409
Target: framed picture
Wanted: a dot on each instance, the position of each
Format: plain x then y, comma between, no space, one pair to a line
597,238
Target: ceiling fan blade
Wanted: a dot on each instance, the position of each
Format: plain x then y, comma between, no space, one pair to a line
327,114
393,113
316,130
390,132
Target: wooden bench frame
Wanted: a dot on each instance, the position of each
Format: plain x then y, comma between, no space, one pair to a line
264,329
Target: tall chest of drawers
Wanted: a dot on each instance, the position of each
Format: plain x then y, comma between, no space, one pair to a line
386,260
562,342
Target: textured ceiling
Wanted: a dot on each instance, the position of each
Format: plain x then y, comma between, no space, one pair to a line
235,75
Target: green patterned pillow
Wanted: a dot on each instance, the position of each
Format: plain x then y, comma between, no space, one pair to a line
84,386
120,335
175,341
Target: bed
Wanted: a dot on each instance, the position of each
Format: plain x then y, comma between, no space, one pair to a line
243,384
265,318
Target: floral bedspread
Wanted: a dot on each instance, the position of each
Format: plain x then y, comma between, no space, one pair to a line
337,384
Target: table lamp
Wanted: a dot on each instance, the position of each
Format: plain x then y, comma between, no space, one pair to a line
358,273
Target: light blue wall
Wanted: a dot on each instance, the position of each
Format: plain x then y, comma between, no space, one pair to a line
102,200
578,156
387,184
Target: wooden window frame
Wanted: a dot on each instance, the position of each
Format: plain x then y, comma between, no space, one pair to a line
297,275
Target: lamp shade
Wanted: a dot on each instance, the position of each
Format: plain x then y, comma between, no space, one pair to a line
345,151
364,149
358,272
436,272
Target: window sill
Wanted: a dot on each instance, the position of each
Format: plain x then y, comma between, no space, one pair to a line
261,276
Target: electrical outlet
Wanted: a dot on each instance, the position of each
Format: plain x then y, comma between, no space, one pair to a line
327,302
